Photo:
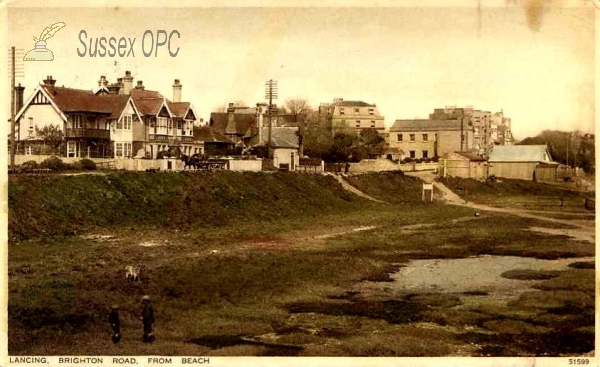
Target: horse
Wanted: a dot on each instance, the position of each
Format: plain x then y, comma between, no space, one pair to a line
191,162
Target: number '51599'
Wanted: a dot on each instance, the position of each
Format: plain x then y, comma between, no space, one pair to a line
579,361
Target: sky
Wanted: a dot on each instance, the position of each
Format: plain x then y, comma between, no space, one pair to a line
533,59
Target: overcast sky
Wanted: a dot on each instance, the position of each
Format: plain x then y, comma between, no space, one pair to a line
535,63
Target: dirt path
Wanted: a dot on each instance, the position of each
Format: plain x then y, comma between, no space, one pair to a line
584,231
353,189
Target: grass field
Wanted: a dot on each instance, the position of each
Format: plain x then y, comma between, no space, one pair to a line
274,273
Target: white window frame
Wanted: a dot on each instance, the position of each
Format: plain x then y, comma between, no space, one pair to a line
118,149
71,148
161,125
31,123
125,122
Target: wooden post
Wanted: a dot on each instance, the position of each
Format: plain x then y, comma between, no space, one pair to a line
427,187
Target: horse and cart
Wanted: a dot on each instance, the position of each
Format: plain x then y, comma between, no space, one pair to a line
203,163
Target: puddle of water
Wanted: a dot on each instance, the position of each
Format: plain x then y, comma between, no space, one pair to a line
150,244
472,274
359,229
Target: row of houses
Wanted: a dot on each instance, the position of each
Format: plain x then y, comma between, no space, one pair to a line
118,120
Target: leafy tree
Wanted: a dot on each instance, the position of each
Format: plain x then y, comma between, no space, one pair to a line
342,147
51,135
316,136
371,138
577,148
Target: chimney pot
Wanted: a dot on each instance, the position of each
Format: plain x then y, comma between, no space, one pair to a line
177,91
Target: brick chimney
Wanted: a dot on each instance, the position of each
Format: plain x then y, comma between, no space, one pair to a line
140,85
49,83
120,84
177,91
19,93
230,128
127,83
114,88
102,82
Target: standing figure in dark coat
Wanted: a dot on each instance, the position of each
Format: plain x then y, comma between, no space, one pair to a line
115,323
147,319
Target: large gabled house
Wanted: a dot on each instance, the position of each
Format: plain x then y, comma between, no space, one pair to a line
115,121
92,125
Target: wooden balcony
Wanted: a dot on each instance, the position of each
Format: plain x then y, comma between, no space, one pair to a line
169,138
88,133
153,137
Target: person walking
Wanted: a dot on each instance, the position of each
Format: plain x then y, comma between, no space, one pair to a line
115,323
147,319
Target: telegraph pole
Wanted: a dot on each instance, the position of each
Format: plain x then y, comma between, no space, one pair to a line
13,102
271,93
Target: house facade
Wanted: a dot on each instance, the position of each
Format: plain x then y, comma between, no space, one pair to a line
284,144
352,116
422,139
115,121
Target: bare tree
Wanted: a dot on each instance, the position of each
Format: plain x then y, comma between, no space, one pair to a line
298,108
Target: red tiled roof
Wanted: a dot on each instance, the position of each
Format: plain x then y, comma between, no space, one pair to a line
179,109
77,100
148,102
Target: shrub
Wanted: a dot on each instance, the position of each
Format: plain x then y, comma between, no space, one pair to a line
29,165
87,164
407,160
54,163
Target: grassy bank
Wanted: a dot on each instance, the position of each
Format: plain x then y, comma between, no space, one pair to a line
59,205
518,194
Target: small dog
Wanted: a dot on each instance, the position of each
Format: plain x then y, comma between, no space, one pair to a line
133,272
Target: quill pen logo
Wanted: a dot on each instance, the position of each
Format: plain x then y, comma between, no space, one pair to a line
40,52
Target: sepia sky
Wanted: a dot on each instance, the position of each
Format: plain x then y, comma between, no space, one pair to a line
533,59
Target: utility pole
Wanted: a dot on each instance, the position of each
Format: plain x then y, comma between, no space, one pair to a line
568,138
13,102
271,93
